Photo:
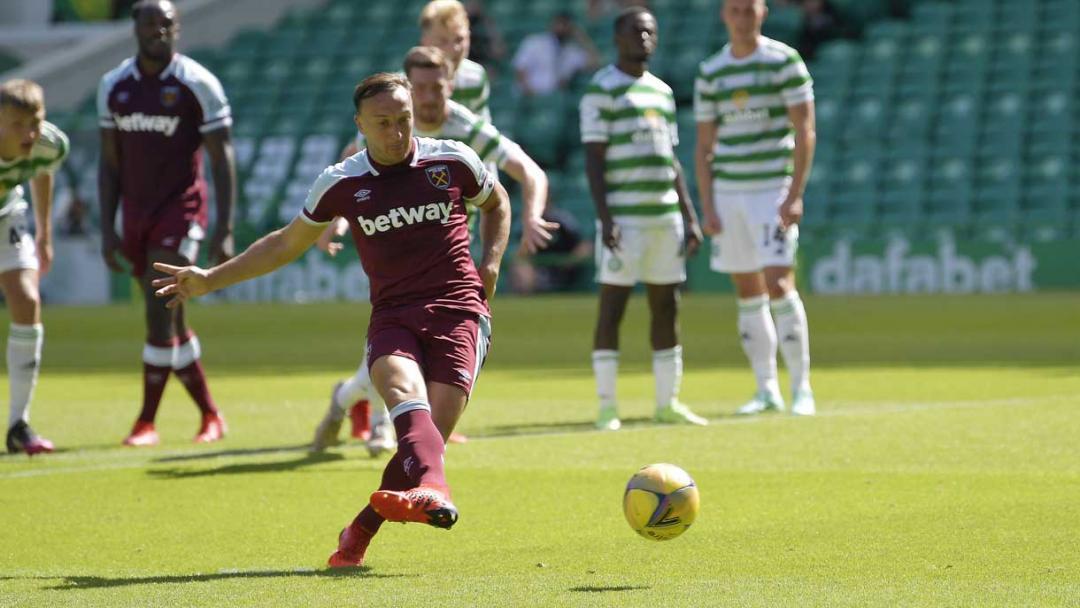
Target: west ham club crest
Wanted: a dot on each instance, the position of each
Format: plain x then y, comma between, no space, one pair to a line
439,176
169,96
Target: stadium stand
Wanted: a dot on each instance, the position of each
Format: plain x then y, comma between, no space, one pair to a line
959,118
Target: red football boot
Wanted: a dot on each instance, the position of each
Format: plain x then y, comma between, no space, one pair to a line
212,429
351,548
142,434
360,415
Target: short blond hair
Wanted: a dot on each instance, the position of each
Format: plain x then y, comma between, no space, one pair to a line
426,57
22,94
442,12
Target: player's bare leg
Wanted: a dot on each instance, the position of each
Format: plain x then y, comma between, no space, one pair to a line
605,355
758,336
667,355
793,335
25,337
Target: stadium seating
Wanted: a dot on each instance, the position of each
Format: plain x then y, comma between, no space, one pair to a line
960,118
973,102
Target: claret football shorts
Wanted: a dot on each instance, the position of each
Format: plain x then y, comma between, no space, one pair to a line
449,345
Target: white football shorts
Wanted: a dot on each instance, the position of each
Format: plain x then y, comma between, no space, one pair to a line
653,254
751,239
17,249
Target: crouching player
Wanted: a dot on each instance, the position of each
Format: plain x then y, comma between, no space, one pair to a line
30,150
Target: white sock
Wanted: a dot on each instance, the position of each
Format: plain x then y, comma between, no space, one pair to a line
354,389
667,369
794,338
758,336
23,362
605,365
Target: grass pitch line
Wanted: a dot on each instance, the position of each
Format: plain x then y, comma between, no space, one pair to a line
180,456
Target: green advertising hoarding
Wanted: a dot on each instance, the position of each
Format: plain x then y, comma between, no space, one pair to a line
827,267
900,266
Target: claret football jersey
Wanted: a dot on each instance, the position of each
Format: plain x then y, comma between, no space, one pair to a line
409,222
160,121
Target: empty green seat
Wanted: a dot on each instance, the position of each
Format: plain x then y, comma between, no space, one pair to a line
1042,225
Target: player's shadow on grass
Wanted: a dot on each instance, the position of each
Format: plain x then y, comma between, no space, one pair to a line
102,582
609,588
306,460
281,449
545,428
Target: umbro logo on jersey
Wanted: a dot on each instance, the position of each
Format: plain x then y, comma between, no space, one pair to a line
139,122
363,195
399,217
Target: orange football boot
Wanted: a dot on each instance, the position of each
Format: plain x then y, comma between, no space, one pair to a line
423,505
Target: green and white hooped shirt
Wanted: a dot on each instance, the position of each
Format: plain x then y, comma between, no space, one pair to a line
635,117
48,152
748,100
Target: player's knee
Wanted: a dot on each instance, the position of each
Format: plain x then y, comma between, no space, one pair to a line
24,305
779,286
159,323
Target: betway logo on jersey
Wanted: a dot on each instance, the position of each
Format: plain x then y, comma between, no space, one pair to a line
399,217
139,122
744,117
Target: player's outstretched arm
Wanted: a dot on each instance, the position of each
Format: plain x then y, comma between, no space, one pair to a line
703,156
264,255
41,188
494,233
535,231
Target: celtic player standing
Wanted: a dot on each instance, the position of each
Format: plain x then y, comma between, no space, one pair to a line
647,223
754,105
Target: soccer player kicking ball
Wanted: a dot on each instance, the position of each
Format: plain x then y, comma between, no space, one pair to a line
406,201
647,223
30,150
156,111
439,117
754,105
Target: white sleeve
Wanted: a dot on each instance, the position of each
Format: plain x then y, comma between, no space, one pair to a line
594,109
796,86
211,97
105,117
311,213
704,107
484,179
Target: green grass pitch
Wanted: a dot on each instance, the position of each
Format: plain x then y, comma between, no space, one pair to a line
943,469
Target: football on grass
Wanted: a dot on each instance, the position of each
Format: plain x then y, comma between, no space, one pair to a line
661,501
